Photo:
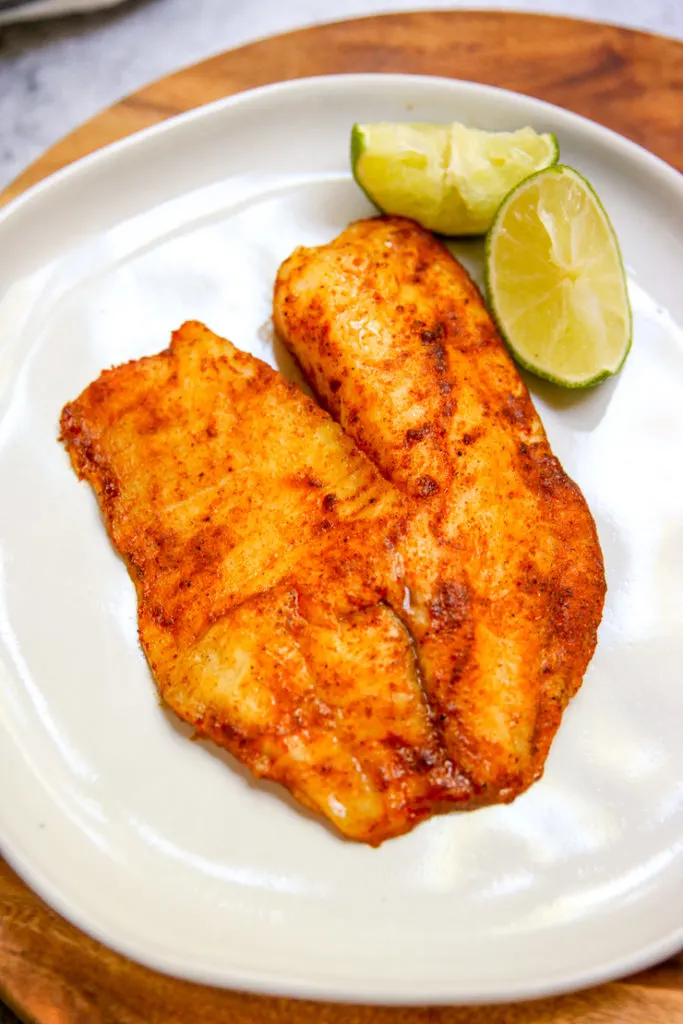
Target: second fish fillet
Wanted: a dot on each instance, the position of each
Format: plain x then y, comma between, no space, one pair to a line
262,547
504,569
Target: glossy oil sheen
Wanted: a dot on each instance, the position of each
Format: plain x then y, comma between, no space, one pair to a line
167,849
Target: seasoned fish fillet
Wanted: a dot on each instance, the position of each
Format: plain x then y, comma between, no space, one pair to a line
397,344
262,545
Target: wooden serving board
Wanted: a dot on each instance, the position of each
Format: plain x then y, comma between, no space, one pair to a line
50,971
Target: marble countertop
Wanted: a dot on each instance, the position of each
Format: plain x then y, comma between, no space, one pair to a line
56,74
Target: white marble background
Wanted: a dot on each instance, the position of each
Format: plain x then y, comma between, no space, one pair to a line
55,74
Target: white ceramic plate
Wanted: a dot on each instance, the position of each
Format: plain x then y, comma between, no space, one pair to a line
166,849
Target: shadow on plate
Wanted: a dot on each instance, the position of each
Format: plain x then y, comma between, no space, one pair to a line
586,405
283,360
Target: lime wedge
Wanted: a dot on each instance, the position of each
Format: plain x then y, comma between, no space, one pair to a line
449,178
556,280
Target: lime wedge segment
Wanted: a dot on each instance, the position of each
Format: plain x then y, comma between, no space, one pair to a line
556,280
449,178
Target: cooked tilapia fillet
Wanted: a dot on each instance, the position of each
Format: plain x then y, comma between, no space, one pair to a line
262,546
397,344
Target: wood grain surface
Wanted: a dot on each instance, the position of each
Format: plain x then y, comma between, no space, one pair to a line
52,973
630,81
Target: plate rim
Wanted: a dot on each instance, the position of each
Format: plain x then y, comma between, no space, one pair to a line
113,149
268,982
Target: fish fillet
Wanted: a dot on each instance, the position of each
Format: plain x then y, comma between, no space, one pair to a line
395,340
262,545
